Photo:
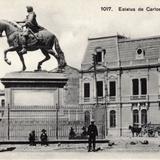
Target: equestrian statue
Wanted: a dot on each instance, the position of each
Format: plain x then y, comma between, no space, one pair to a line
30,37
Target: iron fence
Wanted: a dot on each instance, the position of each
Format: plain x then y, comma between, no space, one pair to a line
16,122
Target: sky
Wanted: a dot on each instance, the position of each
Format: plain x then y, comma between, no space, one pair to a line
74,21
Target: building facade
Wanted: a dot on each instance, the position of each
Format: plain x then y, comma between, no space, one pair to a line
123,83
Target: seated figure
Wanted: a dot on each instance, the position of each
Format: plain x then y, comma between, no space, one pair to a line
32,138
72,133
84,134
44,137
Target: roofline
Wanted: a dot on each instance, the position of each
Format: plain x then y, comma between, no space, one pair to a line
97,38
125,39
139,39
124,68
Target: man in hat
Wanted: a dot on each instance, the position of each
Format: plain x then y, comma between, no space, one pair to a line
31,26
44,137
92,132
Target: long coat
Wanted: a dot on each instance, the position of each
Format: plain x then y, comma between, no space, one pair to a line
92,130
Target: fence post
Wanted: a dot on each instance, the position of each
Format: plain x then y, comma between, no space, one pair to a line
57,109
8,122
57,121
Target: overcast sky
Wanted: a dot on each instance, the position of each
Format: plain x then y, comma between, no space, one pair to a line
74,21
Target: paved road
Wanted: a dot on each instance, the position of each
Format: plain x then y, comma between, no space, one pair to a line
122,144
124,147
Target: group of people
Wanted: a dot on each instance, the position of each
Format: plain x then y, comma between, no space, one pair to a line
43,137
73,135
91,134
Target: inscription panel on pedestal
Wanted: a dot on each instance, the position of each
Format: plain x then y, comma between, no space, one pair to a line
33,97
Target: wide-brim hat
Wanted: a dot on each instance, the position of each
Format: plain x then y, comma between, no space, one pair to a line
43,130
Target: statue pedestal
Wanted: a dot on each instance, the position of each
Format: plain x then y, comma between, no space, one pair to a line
33,99
33,88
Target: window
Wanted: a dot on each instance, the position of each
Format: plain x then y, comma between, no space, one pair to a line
99,57
135,86
112,88
143,116
139,86
99,88
2,102
86,90
143,85
135,118
140,53
99,54
112,118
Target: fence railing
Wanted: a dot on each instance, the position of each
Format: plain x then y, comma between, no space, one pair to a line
16,122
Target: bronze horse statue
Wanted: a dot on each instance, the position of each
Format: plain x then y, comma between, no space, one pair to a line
43,40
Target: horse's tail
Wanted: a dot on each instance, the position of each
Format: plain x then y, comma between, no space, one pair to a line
60,54
57,47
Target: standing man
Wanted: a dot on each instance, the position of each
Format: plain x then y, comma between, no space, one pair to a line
92,132
31,24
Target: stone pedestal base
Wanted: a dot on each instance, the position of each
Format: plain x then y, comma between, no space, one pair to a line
32,101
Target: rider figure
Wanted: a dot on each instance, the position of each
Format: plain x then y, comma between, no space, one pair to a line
31,26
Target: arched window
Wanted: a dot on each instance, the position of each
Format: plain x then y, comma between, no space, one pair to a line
87,118
143,116
135,117
112,118
2,102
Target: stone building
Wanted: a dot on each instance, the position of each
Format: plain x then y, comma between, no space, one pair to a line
71,89
127,79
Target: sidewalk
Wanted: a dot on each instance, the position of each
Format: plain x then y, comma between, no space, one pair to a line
119,144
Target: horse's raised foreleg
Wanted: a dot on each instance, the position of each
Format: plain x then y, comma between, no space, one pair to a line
5,54
22,60
47,57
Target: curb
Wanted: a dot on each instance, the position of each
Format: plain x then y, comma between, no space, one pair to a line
54,142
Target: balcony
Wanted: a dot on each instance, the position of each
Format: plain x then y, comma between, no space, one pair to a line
124,99
138,97
87,99
112,98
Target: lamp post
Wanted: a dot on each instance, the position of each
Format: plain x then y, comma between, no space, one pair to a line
106,94
94,58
